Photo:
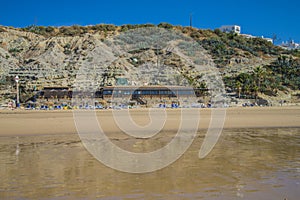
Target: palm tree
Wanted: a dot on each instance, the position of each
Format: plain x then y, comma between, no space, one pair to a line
255,90
284,64
247,89
259,74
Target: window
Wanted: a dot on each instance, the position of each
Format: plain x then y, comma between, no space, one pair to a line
107,92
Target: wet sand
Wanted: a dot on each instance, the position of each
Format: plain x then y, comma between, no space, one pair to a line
16,122
245,164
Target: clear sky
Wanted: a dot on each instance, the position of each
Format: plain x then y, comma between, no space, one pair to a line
256,17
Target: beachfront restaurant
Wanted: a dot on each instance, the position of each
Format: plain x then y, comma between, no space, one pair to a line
125,92
144,95
56,93
150,92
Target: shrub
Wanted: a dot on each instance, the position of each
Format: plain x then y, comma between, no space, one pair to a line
2,29
218,32
14,50
165,25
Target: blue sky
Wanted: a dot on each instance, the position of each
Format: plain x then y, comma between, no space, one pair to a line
256,17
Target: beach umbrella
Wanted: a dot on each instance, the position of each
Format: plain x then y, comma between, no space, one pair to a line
30,102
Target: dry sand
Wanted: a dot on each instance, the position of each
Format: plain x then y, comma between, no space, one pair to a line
16,123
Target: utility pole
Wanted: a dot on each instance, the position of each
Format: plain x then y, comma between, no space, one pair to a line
191,20
17,84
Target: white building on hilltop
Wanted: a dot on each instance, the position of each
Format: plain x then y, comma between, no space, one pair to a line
262,37
290,45
268,39
231,29
237,29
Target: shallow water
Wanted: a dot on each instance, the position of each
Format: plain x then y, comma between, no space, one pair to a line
245,164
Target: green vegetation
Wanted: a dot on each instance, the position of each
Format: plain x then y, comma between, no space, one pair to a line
14,50
127,27
165,25
286,69
41,30
67,49
74,30
247,85
2,29
282,74
224,46
295,52
103,27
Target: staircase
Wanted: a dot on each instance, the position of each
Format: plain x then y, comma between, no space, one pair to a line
139,100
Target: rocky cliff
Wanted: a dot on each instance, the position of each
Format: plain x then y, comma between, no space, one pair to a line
49,56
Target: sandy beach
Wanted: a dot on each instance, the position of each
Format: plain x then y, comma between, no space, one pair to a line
42,157
18,122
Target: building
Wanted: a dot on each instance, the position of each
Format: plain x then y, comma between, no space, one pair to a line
262,37
121,81
231,29
122,94
290,45
248,36
237,29
56,93
267,39
151,95
149,92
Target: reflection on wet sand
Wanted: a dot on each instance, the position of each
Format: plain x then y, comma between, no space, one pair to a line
246,163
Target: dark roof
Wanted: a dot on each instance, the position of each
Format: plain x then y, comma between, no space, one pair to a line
148,87
56,88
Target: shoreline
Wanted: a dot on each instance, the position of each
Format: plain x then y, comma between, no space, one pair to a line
41,122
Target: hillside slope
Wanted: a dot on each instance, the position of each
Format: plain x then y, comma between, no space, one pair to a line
52,56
